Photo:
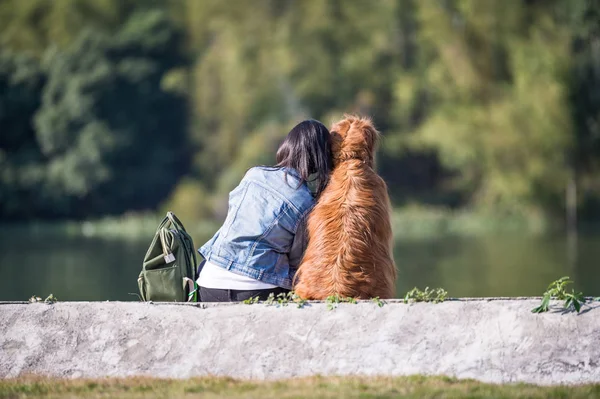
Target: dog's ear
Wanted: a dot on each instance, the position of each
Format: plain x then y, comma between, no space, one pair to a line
371,136
338,134
362,139
336,142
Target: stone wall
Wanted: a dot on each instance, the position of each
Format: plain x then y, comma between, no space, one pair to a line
489,340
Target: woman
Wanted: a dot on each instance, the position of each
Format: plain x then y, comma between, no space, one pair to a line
258,248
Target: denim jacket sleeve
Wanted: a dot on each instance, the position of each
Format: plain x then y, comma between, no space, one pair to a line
299,244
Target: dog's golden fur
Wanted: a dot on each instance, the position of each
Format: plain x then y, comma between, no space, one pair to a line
349,250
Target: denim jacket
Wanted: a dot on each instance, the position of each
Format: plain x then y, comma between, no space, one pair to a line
263,234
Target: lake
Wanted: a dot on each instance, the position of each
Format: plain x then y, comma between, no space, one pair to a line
95,269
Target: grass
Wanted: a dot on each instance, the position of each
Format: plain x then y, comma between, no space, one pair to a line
312,387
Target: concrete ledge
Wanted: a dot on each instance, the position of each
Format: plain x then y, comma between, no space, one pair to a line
490,340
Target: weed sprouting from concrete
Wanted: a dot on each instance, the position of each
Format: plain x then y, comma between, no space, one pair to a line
333,301
378,301
251,300
49,299
300,302
284,299
556,290
435,295
270,300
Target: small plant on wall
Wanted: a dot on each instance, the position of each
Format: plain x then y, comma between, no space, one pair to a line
333,301
556,290
435,295
49,299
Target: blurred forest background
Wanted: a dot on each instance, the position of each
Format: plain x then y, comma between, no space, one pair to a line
112,107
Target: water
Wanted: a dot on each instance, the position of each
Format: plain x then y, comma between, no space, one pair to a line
93,269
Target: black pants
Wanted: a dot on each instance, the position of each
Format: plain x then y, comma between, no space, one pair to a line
218,295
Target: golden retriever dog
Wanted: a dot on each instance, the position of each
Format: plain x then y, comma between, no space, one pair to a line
349,252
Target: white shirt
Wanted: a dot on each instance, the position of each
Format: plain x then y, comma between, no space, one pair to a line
213,276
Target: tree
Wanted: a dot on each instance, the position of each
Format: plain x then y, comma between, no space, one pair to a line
113,138
35,25
584,98
21,162
497,115
481,103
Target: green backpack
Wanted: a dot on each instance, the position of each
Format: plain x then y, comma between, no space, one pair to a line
170,267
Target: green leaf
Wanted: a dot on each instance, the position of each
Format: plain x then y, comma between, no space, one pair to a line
576,305
543,306
539,309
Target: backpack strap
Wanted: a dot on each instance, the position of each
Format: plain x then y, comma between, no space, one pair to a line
172,220
163,223
166,247
175,221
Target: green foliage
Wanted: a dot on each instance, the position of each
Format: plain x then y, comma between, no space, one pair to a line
21,161
378,301
584,83
481,109
100,106
270,300
35,25
191,200
285,299
333,301
251,300
500,103
435,295
108,137
300,302
49,299
556,290
487,105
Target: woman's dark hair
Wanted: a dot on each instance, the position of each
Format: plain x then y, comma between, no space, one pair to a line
307,149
